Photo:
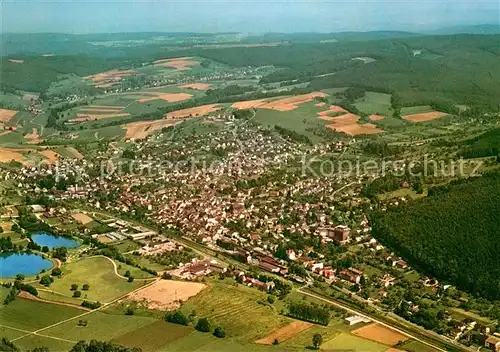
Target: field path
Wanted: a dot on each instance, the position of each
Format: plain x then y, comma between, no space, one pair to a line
37,332
42,335
115,267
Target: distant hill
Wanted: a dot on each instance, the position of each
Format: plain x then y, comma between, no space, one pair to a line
476,29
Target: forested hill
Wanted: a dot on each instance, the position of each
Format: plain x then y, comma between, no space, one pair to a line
453,235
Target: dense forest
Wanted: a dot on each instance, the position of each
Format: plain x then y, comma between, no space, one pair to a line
458,244
487,144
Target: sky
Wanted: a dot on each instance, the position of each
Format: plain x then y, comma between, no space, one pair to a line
256,16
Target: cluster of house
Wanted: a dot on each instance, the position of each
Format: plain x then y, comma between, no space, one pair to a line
198,268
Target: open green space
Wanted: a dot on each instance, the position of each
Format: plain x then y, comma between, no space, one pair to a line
97,272
345,341
100,325
235,308
415,109
32,315
375,103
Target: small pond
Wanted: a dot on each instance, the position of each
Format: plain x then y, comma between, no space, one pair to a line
12,264
51,241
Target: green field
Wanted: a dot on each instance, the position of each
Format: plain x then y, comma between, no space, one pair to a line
31,315
375,103
100,325
416,110
236,307
99,274
345,341
300,120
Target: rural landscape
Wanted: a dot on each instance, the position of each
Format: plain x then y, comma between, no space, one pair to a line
180,191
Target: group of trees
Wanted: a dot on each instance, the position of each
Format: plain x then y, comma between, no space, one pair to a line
202,325
309,312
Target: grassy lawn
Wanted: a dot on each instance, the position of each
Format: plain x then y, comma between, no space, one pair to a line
99,274
31,315
100,326
126,246
236,308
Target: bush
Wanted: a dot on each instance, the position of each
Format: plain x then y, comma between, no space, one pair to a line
46,280
203,325
177,318
271,299
91,305
77,294
166,276
276,342
74,287
130,279
85,287
129,311
56,272
219,332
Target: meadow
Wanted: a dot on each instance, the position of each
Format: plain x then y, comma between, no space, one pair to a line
97,272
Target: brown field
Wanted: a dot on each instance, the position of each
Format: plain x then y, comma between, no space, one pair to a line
180,63
393,350
15,61
81,218
376,117
285,333
75,152
380,334
6,115
7,155
249,104
426,116
94,117
333,110
284,104
167,294
108,78
50,155
288,104
142,129
192,112
33,137
169,97
348,123
197,86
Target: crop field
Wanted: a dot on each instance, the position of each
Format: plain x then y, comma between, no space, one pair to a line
100,325
424,117
180,64
193,112
6,115
236,308
142,129
415,109
375,103
344,341
97,272
20,314
167,294
153,336
378,333
284,333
